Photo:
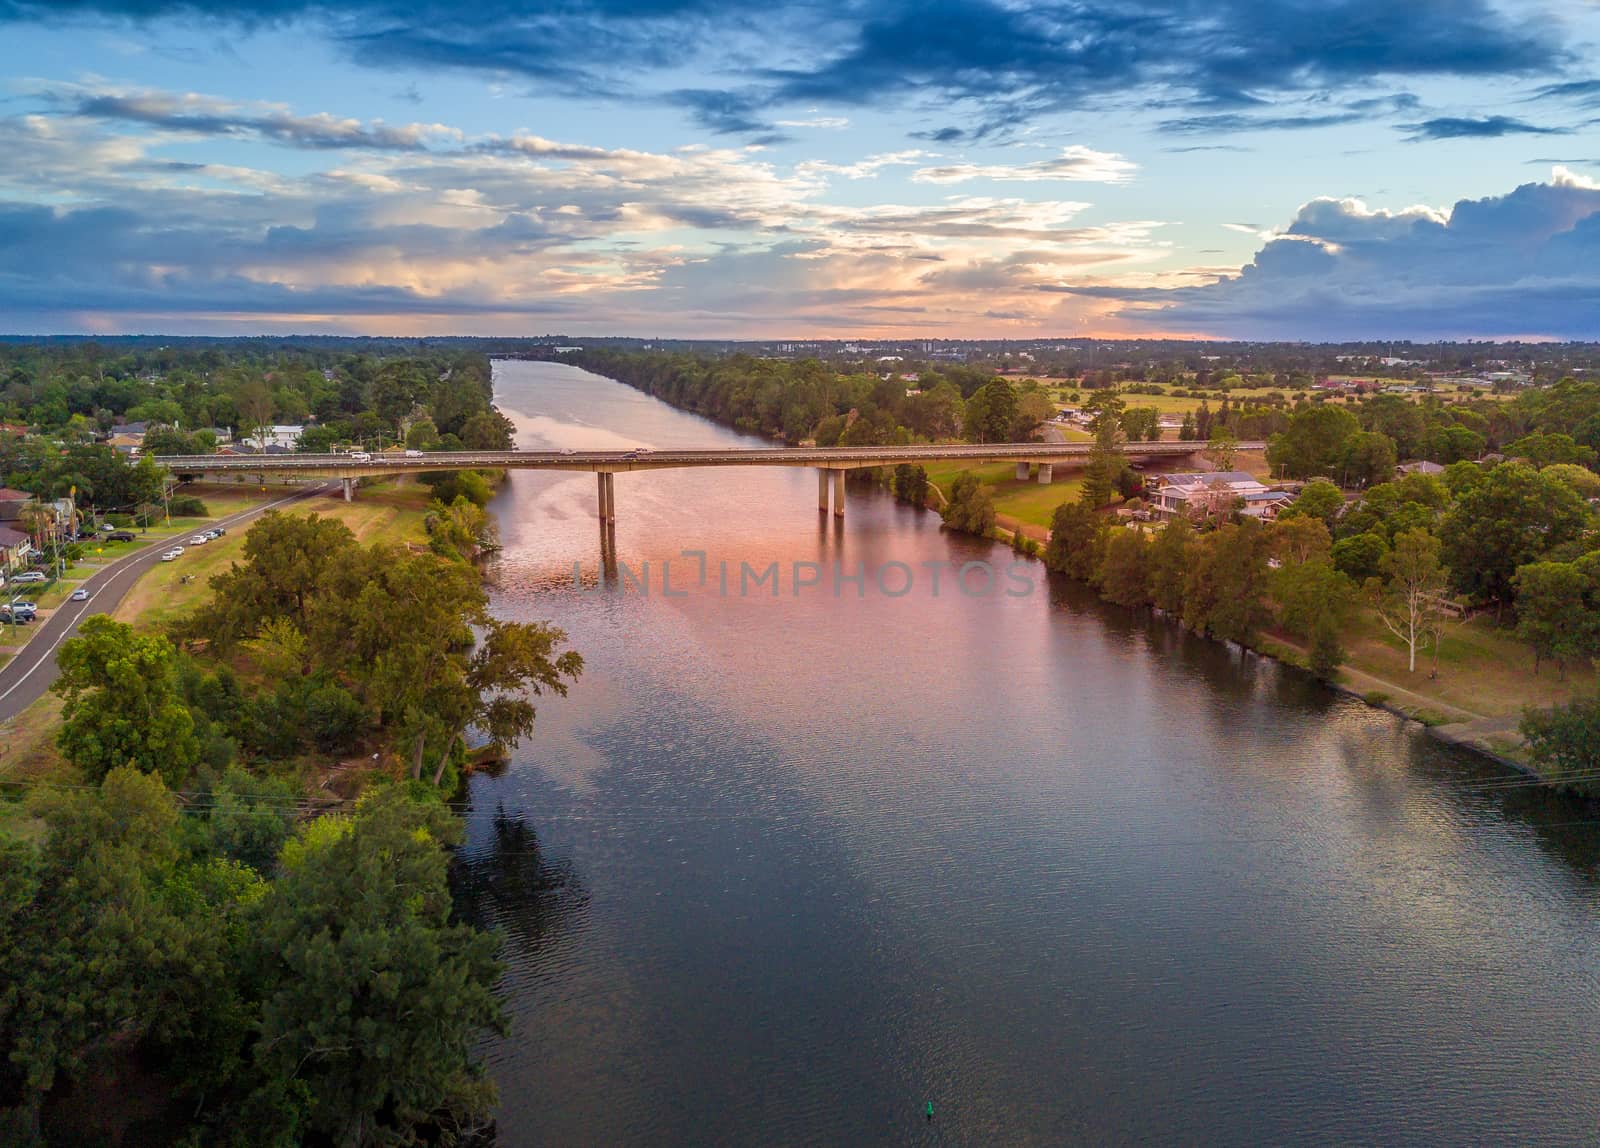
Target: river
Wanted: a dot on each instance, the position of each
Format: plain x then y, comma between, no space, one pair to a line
785,870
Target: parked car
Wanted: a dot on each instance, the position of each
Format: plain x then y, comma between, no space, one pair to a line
218,531
24,611
30,576
80,595
6,616
120,536
171,555
199,540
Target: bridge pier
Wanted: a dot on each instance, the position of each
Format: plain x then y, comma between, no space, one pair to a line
1046,473
838,494
1022,472
822,492
349,485
608,496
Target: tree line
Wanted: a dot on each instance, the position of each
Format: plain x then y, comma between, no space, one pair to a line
276,980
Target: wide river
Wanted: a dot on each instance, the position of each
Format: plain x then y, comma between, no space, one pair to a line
786,870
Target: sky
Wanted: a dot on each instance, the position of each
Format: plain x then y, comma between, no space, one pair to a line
1311,170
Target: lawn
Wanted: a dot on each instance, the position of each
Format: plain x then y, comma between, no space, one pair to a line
388,512
1028,501
1483,669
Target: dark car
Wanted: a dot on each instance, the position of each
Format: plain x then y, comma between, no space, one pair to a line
120,536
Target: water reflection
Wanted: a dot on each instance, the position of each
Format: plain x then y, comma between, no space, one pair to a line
803,864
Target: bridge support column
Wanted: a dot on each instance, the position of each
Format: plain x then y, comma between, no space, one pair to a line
349,485
1022,472
608,497
822,491
1046,473
838,494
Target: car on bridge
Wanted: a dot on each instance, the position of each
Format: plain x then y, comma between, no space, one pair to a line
360,456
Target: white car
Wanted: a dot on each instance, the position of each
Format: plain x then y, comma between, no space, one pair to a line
29,576
360,456
413,454
568,450
199,540
170,555
80,595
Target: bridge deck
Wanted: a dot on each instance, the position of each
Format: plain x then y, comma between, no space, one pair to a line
845,458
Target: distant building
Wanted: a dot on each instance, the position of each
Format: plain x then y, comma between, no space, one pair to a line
1420,468
280,436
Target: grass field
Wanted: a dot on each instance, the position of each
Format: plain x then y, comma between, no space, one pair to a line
387,512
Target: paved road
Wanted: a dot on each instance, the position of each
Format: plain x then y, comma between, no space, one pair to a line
25,678
837,458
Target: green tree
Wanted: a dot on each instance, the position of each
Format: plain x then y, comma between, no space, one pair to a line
991,412
1169,564
1311,595
1544,449
1106,459
1222,448
1513,518
422,434
1564,743
1359,556
970,507
371,999
1585,482
251,817
1225,588
1077,537
121,702
1557,604
1319,499
1187,431
1124,568
1410,599
1366,459
1313,441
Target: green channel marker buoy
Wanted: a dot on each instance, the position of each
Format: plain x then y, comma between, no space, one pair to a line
930,1110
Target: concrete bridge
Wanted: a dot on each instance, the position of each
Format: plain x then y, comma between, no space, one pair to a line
831,462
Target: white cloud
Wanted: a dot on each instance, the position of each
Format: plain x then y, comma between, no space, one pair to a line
1076,164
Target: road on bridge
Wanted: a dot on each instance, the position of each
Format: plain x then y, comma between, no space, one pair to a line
25,678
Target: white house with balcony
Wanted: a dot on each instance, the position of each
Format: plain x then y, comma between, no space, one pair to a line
1199,493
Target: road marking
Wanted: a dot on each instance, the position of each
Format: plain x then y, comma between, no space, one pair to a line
131,563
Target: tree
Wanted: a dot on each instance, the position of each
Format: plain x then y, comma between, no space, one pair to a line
1409,600
991,412
911,483
1311,596
1514,517
121,703
1124,568
1299,539
1106,460
254,402
1565,743
1222,449
1187,431
1313,441
1033,409
1585,482
1169,564
1358,556
1077,535
251,818
1556,610
1224,590
371,999
422,434
1544,449
1366,459
970,507
1319,500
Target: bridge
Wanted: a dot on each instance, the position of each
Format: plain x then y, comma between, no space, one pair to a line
831,462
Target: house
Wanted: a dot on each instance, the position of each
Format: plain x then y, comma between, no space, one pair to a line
281,436
1198,493
128,438
14,546
11,503
1422,467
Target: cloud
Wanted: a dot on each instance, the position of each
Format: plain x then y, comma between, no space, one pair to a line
1524,263
1466,127
192,114
990,64
1076,163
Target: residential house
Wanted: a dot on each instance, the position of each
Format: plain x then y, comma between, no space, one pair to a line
280,436
1421,467
14,546
11,503
128,438
1198,493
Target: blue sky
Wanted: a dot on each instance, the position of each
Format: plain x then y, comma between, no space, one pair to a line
1237,168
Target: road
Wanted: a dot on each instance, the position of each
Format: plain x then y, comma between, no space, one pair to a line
25,678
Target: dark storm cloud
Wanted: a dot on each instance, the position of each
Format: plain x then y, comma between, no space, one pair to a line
1005,62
